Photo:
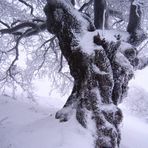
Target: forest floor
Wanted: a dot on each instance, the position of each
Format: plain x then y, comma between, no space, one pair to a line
27,124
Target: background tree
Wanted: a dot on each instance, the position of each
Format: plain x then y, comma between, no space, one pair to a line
101,70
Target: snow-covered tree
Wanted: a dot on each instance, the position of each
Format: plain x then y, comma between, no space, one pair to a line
101,62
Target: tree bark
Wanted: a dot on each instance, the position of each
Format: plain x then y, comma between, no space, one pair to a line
134,23
100,14
137,34
73,2
100,81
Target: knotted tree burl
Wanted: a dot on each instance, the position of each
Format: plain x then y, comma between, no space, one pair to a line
100,78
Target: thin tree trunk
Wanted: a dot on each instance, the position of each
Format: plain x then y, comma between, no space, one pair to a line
73,2
96,73
134,23
100,14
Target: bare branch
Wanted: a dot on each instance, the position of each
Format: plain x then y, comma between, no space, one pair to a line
117,22
143,62
47,41
15,22
67,76
28,5
17,27
85,5
21,30
61,63
116,13
34,28
45,51
12,65
44,58
5,24
10,71
34,31
38,20
142,47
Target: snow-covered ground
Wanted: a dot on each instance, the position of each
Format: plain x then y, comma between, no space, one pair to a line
27,124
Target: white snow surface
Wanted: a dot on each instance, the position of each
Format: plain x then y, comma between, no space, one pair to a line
86,39
111,35
25,124
86,42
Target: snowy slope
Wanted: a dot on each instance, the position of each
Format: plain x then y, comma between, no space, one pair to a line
31,126
24,124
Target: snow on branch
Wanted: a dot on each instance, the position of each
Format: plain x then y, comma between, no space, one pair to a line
11,71
32,28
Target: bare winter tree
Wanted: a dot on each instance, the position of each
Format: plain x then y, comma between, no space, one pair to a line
101,68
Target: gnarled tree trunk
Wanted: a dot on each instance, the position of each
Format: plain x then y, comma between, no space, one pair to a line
100,80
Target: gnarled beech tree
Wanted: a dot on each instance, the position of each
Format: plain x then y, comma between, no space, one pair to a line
101,72
101,68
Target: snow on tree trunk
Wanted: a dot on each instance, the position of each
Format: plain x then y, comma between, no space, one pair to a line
101,71
137,34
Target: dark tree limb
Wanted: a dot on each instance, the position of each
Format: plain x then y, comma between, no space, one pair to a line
115,13
73,2
35,31
100,14
28,5
18,27
85,5
10,72
45,51
61,63
12,65
5,24
47,41
117,22
33,28
21,30
44,59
